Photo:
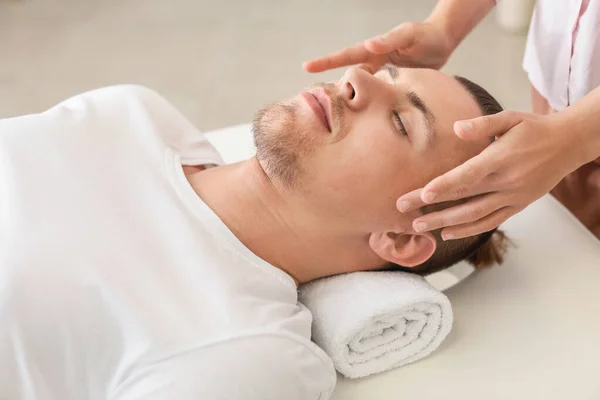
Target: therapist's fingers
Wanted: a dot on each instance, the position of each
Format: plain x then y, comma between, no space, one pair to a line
356,54
473,210
486,224
371,68
488,126
410,201
403,36
462,181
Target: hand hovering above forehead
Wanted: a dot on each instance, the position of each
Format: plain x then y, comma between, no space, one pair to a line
409,44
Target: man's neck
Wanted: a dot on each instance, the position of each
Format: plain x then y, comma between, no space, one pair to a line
268,221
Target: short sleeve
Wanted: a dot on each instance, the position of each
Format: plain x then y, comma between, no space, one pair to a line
177,131
251,368
144,109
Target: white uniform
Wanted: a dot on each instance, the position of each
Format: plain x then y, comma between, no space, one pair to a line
562,56
118,282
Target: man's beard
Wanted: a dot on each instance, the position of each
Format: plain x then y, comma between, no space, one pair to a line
282,142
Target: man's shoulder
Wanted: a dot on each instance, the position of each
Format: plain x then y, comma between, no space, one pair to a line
259,365
118,95
283,344
293,360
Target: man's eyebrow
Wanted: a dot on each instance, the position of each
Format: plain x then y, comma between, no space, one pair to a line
391,70
418,103
415,101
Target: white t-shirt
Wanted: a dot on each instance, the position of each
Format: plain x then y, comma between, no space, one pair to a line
118,282
562,57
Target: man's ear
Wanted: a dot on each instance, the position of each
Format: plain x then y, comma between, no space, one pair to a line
406,249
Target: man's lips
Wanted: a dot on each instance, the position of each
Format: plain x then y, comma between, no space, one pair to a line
325,102
320,110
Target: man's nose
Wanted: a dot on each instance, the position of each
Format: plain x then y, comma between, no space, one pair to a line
355,87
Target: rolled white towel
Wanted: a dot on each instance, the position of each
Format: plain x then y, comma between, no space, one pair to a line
370,322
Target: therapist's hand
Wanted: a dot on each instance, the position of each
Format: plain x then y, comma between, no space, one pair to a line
530,156
410,44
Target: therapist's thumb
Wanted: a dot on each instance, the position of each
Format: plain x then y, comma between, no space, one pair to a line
401,37
487,126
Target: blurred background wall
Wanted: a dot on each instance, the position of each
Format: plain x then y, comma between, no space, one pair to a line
217,61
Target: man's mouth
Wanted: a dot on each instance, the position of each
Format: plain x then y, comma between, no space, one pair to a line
318,101
325,102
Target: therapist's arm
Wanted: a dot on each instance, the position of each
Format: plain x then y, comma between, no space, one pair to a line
582,121
458,17
426,44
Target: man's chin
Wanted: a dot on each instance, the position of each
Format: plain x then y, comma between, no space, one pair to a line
276,142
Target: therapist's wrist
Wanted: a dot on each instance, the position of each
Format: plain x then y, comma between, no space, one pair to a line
442,23
590,144
457,18
581,141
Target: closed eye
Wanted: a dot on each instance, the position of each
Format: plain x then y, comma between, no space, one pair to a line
398,125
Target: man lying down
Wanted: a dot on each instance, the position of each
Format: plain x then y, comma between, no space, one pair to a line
127,276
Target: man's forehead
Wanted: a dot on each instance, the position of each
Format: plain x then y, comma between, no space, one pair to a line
448,101
396,71
447,98
443,95
418,76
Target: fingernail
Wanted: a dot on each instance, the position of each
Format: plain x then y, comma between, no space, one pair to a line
429,197
380,39
404,206
447,236
465,127
420,227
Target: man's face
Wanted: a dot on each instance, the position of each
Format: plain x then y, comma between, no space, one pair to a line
349,149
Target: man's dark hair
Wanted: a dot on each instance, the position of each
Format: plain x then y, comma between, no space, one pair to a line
482,250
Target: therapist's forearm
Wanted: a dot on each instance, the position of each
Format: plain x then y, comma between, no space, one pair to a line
582,122
459,17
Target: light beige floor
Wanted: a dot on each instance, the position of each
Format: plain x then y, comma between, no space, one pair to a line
217,61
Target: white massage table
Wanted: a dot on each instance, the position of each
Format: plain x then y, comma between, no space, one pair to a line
529,329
